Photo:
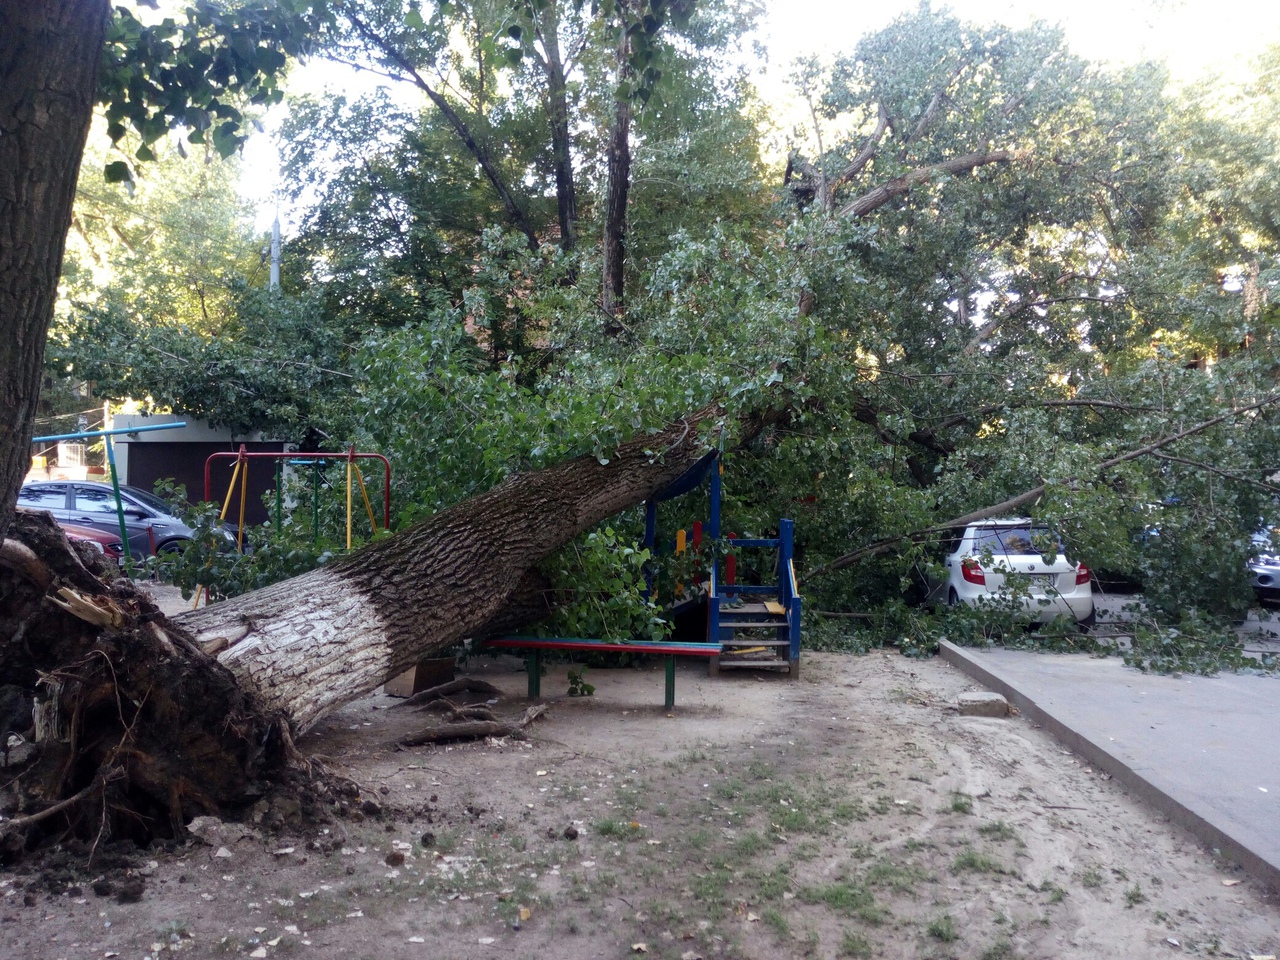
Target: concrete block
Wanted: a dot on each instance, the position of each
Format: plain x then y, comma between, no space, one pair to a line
983,705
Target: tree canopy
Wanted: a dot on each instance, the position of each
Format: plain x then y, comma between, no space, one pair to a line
987,269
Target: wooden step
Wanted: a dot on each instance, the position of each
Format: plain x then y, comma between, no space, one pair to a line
753,607
756,664
728,644
752,624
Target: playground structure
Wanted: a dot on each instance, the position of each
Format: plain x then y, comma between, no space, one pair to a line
317,461
753,626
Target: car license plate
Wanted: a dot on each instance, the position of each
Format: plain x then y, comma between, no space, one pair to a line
1042,580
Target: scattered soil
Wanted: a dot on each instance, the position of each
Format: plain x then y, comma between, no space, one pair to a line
852,813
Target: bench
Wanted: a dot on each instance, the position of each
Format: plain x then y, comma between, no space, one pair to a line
536,646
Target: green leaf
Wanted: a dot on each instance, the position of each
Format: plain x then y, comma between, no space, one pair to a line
117,172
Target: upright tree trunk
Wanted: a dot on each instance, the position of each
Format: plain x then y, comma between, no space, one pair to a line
561,142
615,211
49,53
311,644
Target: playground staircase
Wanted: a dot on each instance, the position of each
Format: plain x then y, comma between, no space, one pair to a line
758,626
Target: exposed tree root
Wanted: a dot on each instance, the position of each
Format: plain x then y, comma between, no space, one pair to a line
424,697
473,729
135,729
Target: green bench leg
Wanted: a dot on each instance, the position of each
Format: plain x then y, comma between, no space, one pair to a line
533,666
671,681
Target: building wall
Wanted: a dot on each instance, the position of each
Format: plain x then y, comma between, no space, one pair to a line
180,454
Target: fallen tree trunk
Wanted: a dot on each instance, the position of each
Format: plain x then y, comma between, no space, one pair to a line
308,645
137,727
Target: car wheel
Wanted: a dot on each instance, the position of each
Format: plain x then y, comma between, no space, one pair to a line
1088,623
173,546
953,598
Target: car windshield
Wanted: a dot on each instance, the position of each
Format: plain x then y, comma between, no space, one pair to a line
1015,541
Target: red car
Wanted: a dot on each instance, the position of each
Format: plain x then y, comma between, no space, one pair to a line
109,545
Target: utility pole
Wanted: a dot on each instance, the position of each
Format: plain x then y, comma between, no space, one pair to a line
275,253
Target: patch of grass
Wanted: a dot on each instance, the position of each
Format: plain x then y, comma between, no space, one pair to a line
998,831
854,945
838,896
1134,896
961,803
971,861
901,878
773,884
1091,878
749,845
698,840
730,790
777,923
1055,892
617,829
709,887
872,915
942,928
848,810
1000,950
861,850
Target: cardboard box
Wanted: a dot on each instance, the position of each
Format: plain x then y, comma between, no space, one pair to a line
428,673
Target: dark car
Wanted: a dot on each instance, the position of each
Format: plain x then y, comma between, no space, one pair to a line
149,520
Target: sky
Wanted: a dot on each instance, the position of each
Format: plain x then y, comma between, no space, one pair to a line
1197,38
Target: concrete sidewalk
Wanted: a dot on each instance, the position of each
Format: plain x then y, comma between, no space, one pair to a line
1205,751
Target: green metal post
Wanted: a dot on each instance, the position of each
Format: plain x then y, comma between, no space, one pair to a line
315,502
279,495
671,681
533,666
115,485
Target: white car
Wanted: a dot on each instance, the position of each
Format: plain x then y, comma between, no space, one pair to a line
1264,566
979,558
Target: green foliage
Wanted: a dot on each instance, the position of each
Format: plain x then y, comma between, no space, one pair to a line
1193,645
199,71
213,563
578,687
1099,277
600,587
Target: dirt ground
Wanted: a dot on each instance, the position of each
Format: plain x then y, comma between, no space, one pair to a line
850,813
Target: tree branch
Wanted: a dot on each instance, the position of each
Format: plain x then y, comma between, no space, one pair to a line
1029,496
1239,478
896,187
868,151
518,217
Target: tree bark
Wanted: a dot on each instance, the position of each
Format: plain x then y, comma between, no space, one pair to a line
561,140
49,54
311,644
615,211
